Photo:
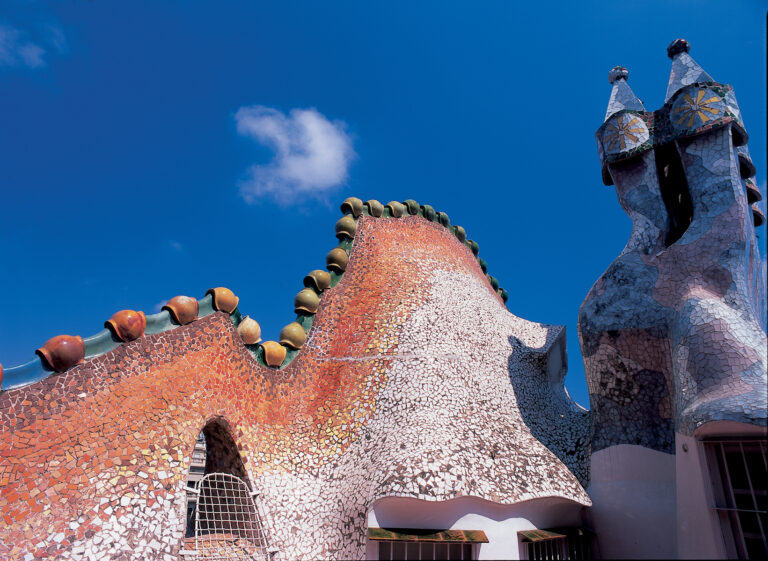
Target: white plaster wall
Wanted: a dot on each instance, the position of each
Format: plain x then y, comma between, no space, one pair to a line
698,529
634,502
499,522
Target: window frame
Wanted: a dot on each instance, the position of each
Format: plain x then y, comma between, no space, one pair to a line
409,546
557,543
424,543
724,493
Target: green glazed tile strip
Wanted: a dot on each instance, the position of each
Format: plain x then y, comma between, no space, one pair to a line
98,344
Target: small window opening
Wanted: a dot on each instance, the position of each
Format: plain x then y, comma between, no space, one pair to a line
557,543
221,453
396,550
228,524
739,470
223,518
420,543
674,191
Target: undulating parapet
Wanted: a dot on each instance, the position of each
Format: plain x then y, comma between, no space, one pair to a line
129,325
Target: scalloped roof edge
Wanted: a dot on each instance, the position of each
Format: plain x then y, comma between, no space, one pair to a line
105,340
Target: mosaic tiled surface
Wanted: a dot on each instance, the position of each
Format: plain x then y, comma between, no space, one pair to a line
415,381
685,71
694,104
622,96
674,337
694,110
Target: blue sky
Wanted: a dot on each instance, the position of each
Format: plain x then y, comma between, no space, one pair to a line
149,149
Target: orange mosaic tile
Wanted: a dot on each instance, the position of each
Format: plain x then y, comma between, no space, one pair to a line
94,460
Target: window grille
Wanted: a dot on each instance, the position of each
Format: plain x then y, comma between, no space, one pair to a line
739,470
553,548
557,543
424,543
409,550
228,525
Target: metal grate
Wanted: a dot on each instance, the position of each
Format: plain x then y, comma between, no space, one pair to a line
557,543
555,548
228,525
390,550
740,470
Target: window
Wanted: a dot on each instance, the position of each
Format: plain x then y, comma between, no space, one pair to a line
556,543
214,451
739,470
418,543
228,524
223,518
391,550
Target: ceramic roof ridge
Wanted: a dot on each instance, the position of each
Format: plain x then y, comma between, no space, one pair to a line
394,209
280,354
63,352
95,345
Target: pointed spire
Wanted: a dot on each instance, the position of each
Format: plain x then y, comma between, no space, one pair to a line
622,96
685,70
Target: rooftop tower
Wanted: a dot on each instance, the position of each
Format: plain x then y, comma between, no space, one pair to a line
673,333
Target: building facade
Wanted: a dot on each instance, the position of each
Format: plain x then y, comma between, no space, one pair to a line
406,414
673,333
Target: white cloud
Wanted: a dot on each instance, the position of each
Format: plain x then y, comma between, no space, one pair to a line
159,306
312,154
17,49
176,246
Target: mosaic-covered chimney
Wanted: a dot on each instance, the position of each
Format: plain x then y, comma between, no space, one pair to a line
679,317
673,333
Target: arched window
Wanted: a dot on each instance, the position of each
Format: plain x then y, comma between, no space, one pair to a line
221,454
223,517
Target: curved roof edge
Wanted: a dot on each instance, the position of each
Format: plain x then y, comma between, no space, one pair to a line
271,354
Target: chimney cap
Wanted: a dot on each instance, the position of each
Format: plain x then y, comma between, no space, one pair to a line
678,46
618,73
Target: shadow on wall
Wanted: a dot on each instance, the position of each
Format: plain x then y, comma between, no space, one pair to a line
222,455
554,419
